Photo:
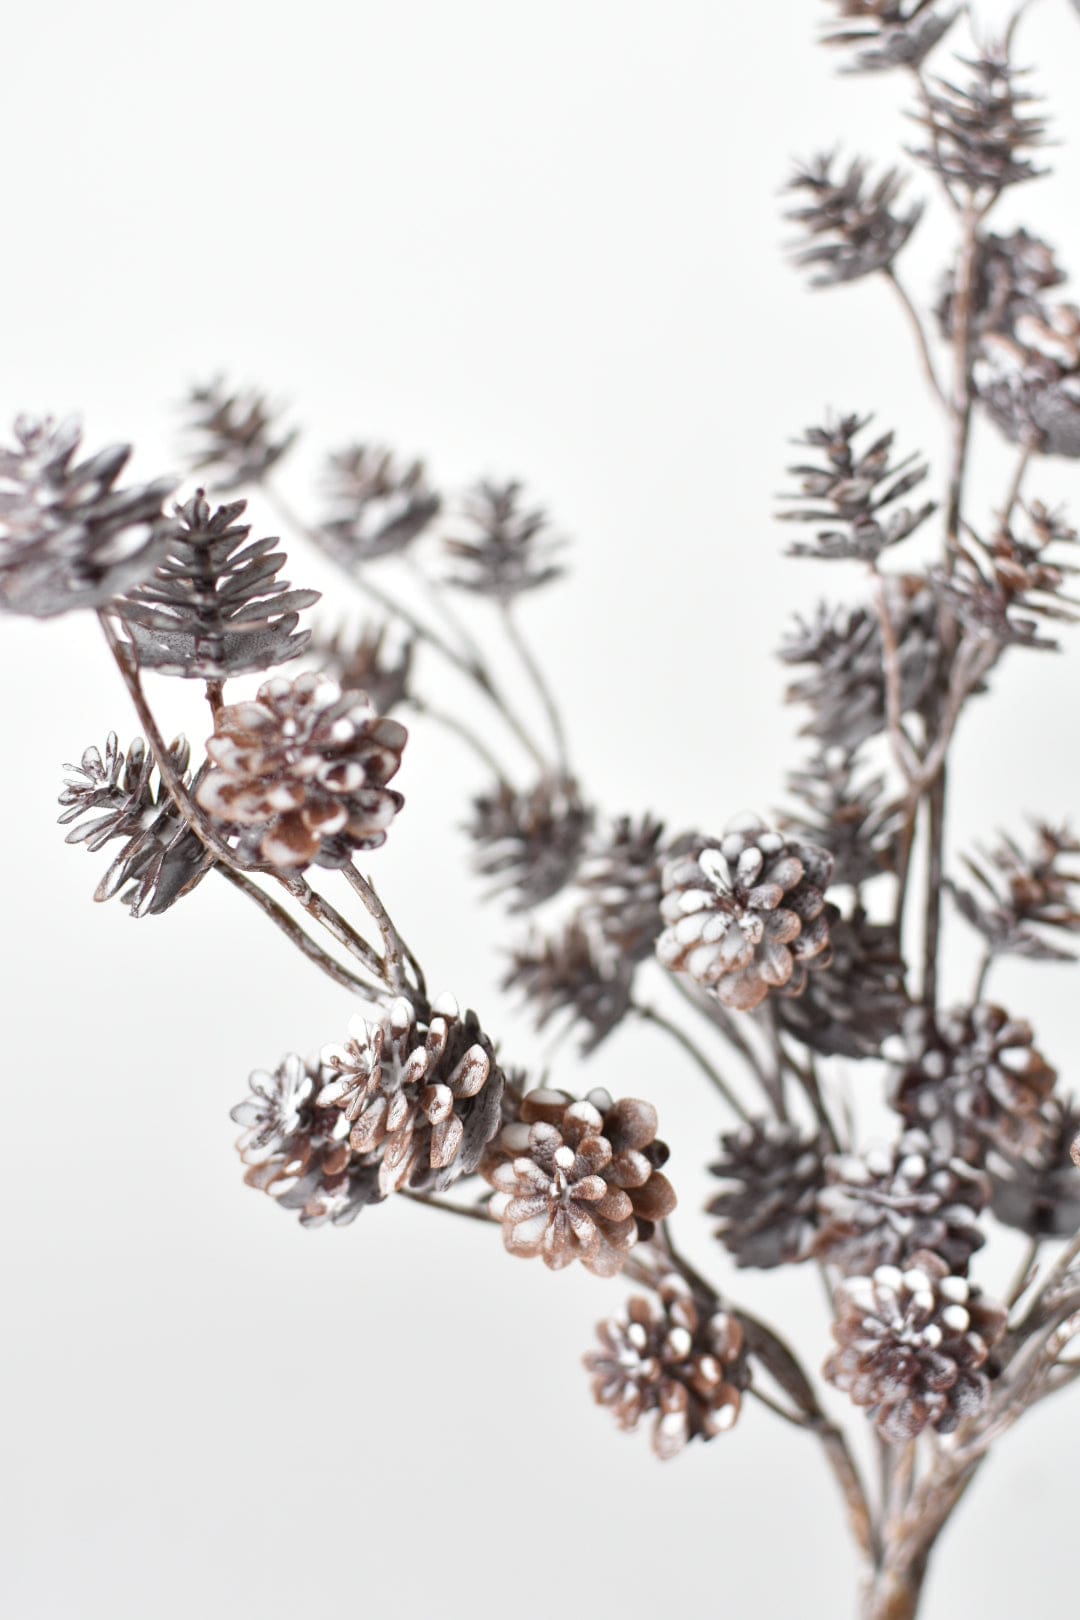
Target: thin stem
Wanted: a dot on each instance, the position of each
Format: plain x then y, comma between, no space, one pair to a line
651,1016
451,723
919,331
1023,1272
539,680
721,1019
397,953
1012,494
331,919
799,1419
471,1212
983,974
296,935
934,864
904,750
215,696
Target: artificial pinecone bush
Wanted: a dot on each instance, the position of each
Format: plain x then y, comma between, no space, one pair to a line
300,774
914,1347
235,437
674,1361
747,915
504,546
377,505
530,842
770,1175
852,228
578,1180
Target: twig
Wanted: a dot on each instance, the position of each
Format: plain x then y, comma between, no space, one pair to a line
1023,1272
397,952
651,1016
296,935
904,750
471,1212
539,680
317,906
1012,494
919,331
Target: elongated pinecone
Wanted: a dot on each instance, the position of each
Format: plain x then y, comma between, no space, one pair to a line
914,1347
676,1361
235,437
974,1083
846,815
69,537
881,1208
506,548
530,842
214,606
1022,892
852,228
425,1099
979,133
854,492
747,915
361,661
620,876
1040,1194
121,797
889,33
576,975
578,1180
1010,587
377,505
852,1010
771,1174
301,772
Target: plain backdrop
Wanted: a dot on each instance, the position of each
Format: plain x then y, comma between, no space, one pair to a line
525,240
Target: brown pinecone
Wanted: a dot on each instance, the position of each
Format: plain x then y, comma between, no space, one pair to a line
855,1007
426,1101
1034,891
881,1208
771,1174
237,437
889,33
845,813
575,974
852,228
301,773
530,842
362,662
620,875
378,505
747,915
578,1180
1011,273
852,490
914,1347
506,547
1040,1194
675,1360
974,1083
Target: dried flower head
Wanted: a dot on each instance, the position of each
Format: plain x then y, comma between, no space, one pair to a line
852,1010
771,1175
573,974
530,842
852,228
845,814
854,491
889,33
362,661
377,505
979,133
505,547
235,437
1022,891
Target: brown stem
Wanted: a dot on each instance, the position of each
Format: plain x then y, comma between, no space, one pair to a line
331,919
215,696
470,1212
296,935
934,863
451,722
397,953
919,331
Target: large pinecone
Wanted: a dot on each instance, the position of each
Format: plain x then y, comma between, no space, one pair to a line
882,1208
301,773
852,228
676,1361
573,973
914,1347
425,1100
69,538
771,1175
747,915
530,842
578,1180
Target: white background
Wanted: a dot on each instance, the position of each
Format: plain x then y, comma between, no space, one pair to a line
522,239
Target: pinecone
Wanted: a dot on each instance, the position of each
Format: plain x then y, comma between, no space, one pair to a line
848,817
573,973
578,1180
506,548
69,538
620,875
853,229
214,606
1040,1194
747,915
425,1100
853,493
771,1174
377,506
234,437
1024,893
301,774
974,1083
362,662
530,842
980,133
1011,274
855,1007
1029,381
889,33
882,1208
999,584
914,1347
676,1361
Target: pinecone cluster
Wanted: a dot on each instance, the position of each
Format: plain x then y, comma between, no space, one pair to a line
854,491
300,774
578,1180
771,1175
852,228
364,661
234,437
915,1347
505,547
377,505
675,1361
70,537
572,974
889,33
1024,892
854,1008
980,133
747,915
530,842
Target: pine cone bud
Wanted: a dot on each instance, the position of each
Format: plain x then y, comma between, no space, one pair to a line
378,505
889,33
772,1174
506,547
235,437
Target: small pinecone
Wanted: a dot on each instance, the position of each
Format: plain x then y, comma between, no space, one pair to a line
853,228
889,33
854,493
378,506
1010,587
771,1174
1011,274
530,843
69,538
620,875
1022,892
845,815
575,974
676,1361
747,915
234,437
507,548
578,1180
980,133
362,662
914,1347
974,1083
1040,1195
882,1208
855,1007
425,1100
301,773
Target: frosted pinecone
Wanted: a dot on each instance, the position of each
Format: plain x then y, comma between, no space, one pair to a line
620,876
771,1174
847,814
1011,588
747,915
505,547
914,1347
362,661
530,842
578,1180
573,974
301,772
69,537
852,1010
1021,892
853,491
1040,1194
1011,274
426,1099
853,228
377,505
235,437
980,133
676,1362
881,1208
974,1083
889,33
1028,380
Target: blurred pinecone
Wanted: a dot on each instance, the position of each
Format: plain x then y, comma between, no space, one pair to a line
214,606
881,1208
620,876
914,1347
1029,380
424,1099
505,548
530,842
854,1008
846,816
362,662
578,1180
1011,273
980,132
1040,1193
300,774
161,859
852,229
1021,893
377,505
676,1361
69,538
771,1174
975,1082
852,491
573,973
235,438
747,915
998,585
889,33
